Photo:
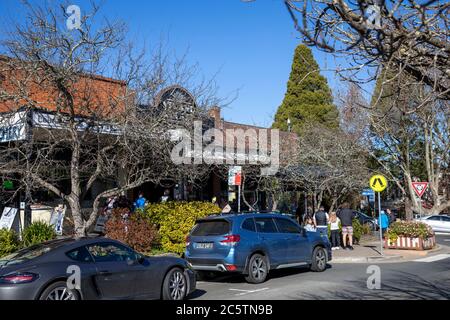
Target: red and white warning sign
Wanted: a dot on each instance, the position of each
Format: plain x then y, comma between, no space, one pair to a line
235,176
419,188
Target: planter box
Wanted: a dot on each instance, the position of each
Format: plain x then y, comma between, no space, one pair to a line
407,243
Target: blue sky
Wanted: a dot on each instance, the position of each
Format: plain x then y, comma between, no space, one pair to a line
249,45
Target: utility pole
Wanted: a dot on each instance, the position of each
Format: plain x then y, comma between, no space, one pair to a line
29,154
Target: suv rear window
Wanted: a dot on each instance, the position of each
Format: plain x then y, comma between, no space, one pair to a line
211,228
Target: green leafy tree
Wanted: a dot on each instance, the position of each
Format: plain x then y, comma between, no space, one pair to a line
308,98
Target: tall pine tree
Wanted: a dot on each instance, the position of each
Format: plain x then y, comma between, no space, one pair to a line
308,98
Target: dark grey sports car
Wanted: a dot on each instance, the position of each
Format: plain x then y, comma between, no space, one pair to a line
92,268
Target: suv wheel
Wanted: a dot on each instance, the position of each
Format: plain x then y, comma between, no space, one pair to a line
319,260
257,269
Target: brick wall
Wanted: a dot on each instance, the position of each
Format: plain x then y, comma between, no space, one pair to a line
92,95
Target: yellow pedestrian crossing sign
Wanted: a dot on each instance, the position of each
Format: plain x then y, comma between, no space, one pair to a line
378,183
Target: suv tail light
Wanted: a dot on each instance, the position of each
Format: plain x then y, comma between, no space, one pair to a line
231,240
19,277
188,241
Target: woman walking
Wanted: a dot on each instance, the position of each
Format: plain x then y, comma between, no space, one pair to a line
334,228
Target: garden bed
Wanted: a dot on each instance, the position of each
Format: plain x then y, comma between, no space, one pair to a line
409,235
409,243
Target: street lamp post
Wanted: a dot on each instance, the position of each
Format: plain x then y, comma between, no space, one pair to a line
289,124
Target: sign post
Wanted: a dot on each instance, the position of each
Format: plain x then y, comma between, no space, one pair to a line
378,183
234,179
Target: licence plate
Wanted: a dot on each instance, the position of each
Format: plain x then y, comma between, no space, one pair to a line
203,245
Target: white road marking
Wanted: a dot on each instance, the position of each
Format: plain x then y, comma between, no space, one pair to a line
434,258
243,292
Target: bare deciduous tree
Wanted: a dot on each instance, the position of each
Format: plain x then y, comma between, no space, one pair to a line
412,36
97,130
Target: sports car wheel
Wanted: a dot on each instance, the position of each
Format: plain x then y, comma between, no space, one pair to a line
175,285
59,291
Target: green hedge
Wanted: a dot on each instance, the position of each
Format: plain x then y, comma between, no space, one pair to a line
9,242
176,219
37,232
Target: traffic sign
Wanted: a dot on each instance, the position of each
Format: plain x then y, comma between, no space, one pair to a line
235,176
368,192
420,188
378,183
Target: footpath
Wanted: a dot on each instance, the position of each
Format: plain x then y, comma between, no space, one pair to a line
368,251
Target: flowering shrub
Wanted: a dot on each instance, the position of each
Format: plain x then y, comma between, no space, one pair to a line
410,229
176,219
136,231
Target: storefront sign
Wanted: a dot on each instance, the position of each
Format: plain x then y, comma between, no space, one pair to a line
58,121
100,224
12,126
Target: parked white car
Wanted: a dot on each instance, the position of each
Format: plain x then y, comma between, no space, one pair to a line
439,223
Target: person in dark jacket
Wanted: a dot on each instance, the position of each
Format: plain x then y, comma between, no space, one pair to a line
390,215
321,221
346,215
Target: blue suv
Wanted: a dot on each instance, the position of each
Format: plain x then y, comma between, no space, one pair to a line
253,244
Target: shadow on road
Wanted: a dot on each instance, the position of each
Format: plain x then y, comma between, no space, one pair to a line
404,286
196,294
273,274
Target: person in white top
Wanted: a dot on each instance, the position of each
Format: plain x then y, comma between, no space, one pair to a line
309,225
334,222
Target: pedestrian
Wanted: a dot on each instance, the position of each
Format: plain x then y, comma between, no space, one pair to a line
140,202
110,205
166,196
391,216
123,202
320,219
383,222
309,225
346,215
334,229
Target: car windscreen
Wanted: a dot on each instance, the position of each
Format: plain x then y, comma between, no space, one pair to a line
214,227
28,253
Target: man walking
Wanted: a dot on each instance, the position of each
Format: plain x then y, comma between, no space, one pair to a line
321,221
346,216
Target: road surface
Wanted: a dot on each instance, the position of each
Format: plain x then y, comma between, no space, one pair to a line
423,278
